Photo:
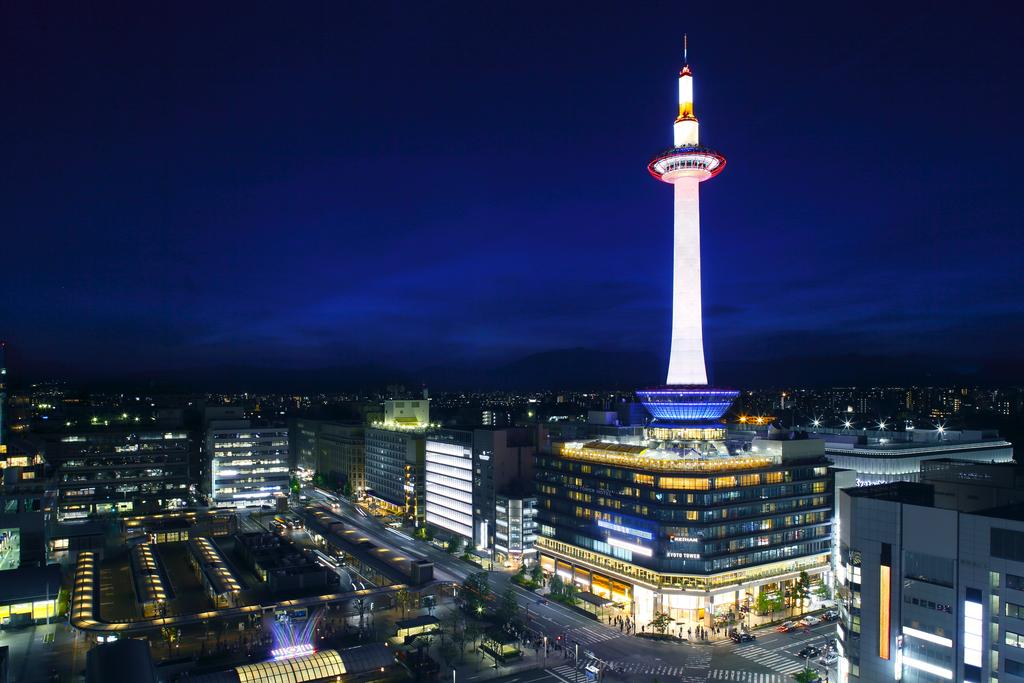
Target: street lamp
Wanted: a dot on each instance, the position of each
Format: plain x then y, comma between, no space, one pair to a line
576,671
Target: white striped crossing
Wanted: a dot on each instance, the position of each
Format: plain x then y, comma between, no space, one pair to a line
566,672
773,660
589,636
745,676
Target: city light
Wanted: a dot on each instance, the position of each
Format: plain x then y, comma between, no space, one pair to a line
290,651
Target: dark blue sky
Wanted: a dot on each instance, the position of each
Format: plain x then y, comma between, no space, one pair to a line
415,185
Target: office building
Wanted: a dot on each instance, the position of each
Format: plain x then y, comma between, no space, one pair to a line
248,465
466,472
118,471
931,593
302,439
515,527
334,450
395,451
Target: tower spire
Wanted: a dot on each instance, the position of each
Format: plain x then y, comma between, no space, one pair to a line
686,59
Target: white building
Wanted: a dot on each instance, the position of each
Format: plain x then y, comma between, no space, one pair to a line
449,484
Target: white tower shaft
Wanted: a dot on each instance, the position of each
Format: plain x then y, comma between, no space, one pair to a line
686,362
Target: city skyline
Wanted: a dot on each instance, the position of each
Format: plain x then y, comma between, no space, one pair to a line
225,206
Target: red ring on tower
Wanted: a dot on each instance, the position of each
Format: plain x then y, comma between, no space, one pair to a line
703,162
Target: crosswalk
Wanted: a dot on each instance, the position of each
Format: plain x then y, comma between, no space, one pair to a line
746,676
565,672
638,668
585,635
773,660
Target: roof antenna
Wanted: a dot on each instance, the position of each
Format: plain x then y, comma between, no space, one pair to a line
685,49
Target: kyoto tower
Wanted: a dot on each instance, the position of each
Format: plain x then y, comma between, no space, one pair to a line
686,399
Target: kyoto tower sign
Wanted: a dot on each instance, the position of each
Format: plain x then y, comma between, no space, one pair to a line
686,399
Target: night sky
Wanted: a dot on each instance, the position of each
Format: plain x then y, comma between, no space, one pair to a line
207,188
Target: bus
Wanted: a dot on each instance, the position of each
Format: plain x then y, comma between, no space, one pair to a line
326,559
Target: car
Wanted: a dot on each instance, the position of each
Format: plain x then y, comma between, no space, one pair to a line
810,620
830,615
786,626
808,652
741,637
829,659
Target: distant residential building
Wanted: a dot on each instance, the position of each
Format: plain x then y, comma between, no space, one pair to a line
930,593
118,471
248,465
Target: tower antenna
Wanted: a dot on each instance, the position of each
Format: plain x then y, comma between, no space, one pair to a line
686,60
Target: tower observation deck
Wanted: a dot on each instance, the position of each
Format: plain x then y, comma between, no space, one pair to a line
686,398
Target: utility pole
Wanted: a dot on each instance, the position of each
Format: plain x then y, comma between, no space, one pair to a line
576,669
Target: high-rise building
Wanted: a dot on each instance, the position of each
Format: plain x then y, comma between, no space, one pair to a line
932,593
248,465
395,457
671,517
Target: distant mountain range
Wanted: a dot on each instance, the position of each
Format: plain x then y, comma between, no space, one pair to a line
570,369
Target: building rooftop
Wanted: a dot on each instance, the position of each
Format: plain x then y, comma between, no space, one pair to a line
910,493
29,583
659,456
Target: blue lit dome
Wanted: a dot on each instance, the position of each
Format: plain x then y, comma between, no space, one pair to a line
687,404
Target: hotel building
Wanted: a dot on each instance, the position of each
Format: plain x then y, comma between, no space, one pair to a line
395,453
657,527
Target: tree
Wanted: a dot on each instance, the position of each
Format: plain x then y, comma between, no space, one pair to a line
509,607
454,545
802,588
570,590
557,586
171,635
295,485
537,574
768,602
823,591
661,622
806,676
475,591
402,599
